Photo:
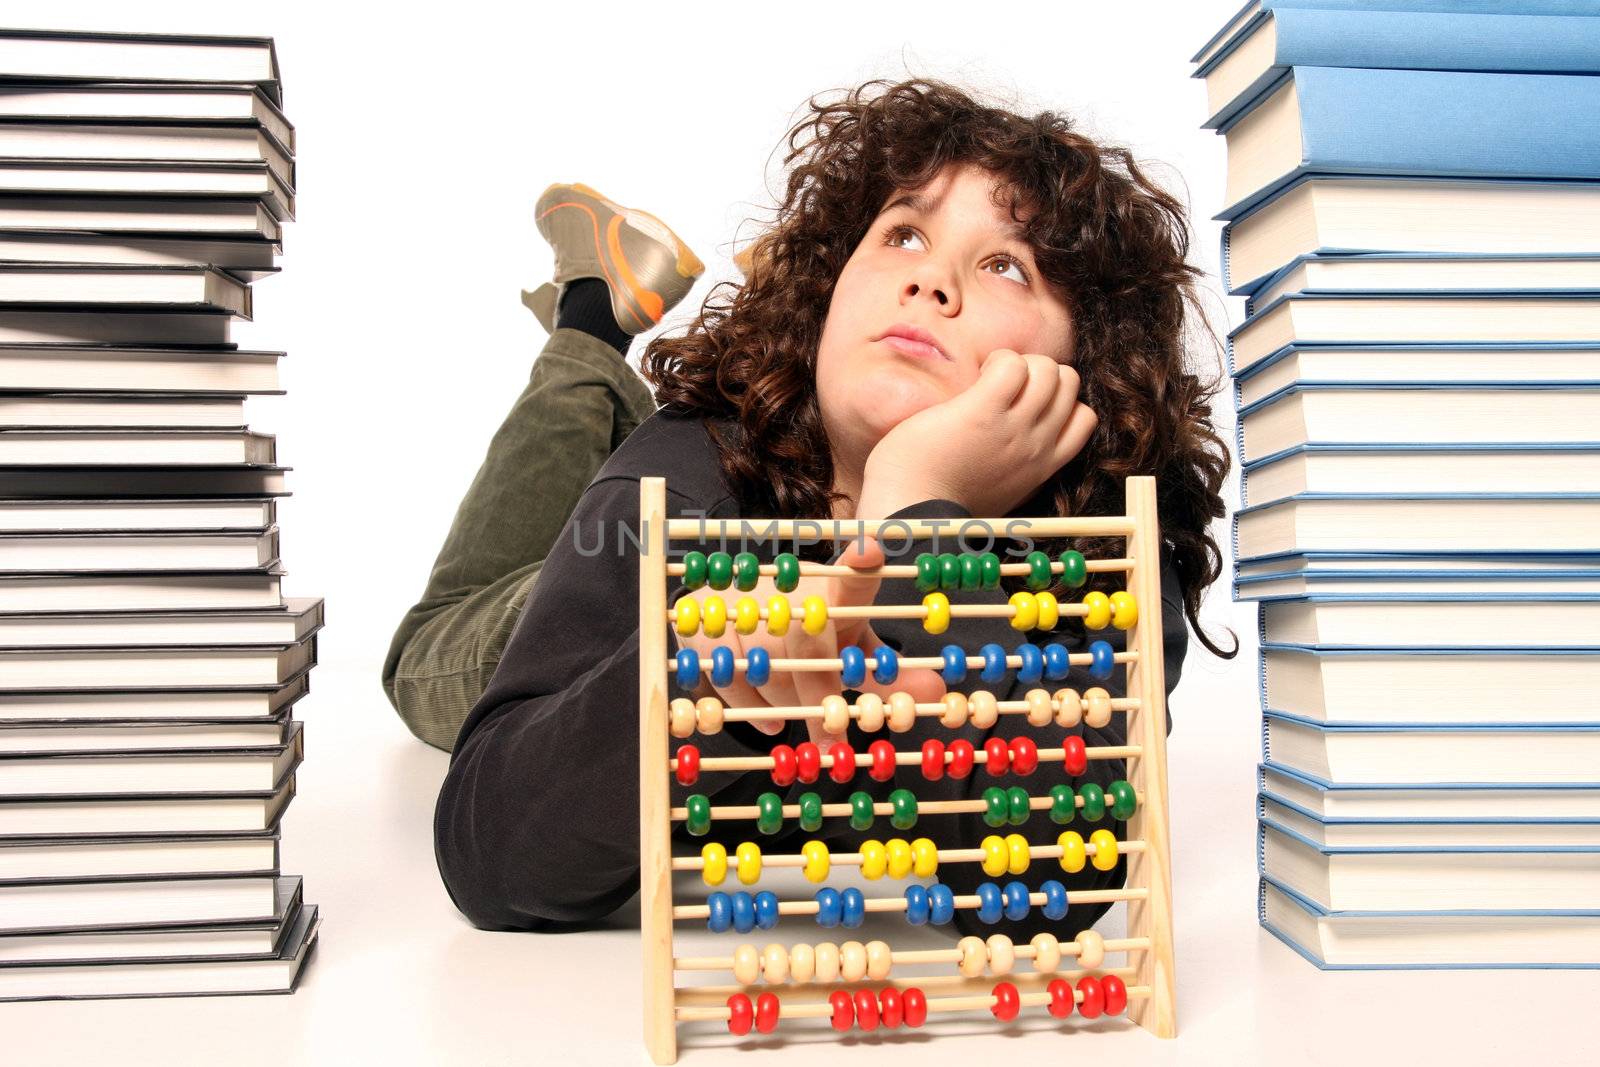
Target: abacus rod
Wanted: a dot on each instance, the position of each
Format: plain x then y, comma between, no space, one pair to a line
931,807
927,955
973,1002
944,855
809,907
655,844
1110,564
906,759
823,663
918,611
898,530
931,711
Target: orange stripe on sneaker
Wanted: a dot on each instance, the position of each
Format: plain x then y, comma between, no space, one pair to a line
600,251
651,302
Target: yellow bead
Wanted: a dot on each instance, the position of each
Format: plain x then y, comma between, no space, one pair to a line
747,615
1105,845
1018,854
899,850
688,615
1025,610
1049,610
937,605
924,857
815,618
748,858
874,859
778,616
995,855
714,616
1073,853
714,860
1099,614
1124,610
817,860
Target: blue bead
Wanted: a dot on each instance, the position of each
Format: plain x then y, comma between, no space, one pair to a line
827,906
855,666
917,905
758,666
688,669
1032,668
888,668
990,909
1016,898
1100,667
994,663
1055,900
744,912
855,907
1057,665
766,909
941,904
955,664
721,913
722,666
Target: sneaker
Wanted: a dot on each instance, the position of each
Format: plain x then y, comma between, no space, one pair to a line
645,265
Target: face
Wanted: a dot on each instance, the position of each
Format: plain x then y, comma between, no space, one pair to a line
945,260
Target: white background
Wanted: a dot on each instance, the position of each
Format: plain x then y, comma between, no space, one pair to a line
426,132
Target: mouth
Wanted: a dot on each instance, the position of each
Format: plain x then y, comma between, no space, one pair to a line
913,341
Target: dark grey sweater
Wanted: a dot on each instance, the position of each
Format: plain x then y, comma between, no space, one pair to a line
537,823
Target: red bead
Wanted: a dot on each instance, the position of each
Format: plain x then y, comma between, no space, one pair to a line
688,765
808,761
891,1012
962,757
998,755
1024,755
933,759
883,756
1060,998
767,1013
1094,998
739,1022
784,765
844,1009
866,1009
1116,993
844,761
914,1004
1075,757
1006,1002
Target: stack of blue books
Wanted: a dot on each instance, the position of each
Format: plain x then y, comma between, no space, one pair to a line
1413,217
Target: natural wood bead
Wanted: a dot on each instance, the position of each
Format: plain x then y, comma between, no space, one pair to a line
869,712
974,956
1040,710
681,722
835,714
802,962
852,961
746,964
880,960
902,711
1091,950
1002,954
708,715
827,962
1069,708
1099,714
984,708
955,710
1046,952
775,963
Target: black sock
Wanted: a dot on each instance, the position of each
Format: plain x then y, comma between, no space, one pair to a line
586,305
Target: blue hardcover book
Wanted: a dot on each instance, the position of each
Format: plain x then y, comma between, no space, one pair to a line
1336,120
1498,834
1426,621
1411,803
1311,579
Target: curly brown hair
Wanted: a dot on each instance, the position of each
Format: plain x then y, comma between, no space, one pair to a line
1111,239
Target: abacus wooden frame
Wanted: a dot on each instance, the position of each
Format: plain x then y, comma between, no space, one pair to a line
1148,869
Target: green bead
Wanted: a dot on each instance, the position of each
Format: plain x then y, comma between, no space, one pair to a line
694,570
1074,572
1094,801
747,569
1038,571
1063,804
949,572
810,812
971,571
904,816
989,566
769,813
996,810
788,579
1017,799
861,810
699,820
927,572
1124,802
719,570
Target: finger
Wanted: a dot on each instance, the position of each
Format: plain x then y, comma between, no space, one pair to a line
1003,375
1055,419
1044,381
862,553
1075,434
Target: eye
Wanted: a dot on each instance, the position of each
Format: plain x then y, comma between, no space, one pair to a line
891,237
1022,272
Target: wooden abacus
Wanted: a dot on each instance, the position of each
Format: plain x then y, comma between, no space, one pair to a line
1144,987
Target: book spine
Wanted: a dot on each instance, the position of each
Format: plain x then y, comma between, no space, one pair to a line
1261,672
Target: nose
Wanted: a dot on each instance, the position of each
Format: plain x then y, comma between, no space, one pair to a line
930,279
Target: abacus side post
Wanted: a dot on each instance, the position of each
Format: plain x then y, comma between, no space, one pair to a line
1147,728
655,843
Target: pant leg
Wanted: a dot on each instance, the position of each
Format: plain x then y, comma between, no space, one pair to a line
582,400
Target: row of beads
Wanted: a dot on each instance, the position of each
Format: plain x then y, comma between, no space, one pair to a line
852,961
936,904
981,709
981,570
1041,611
720,570
890,1008
805,761
1093,997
